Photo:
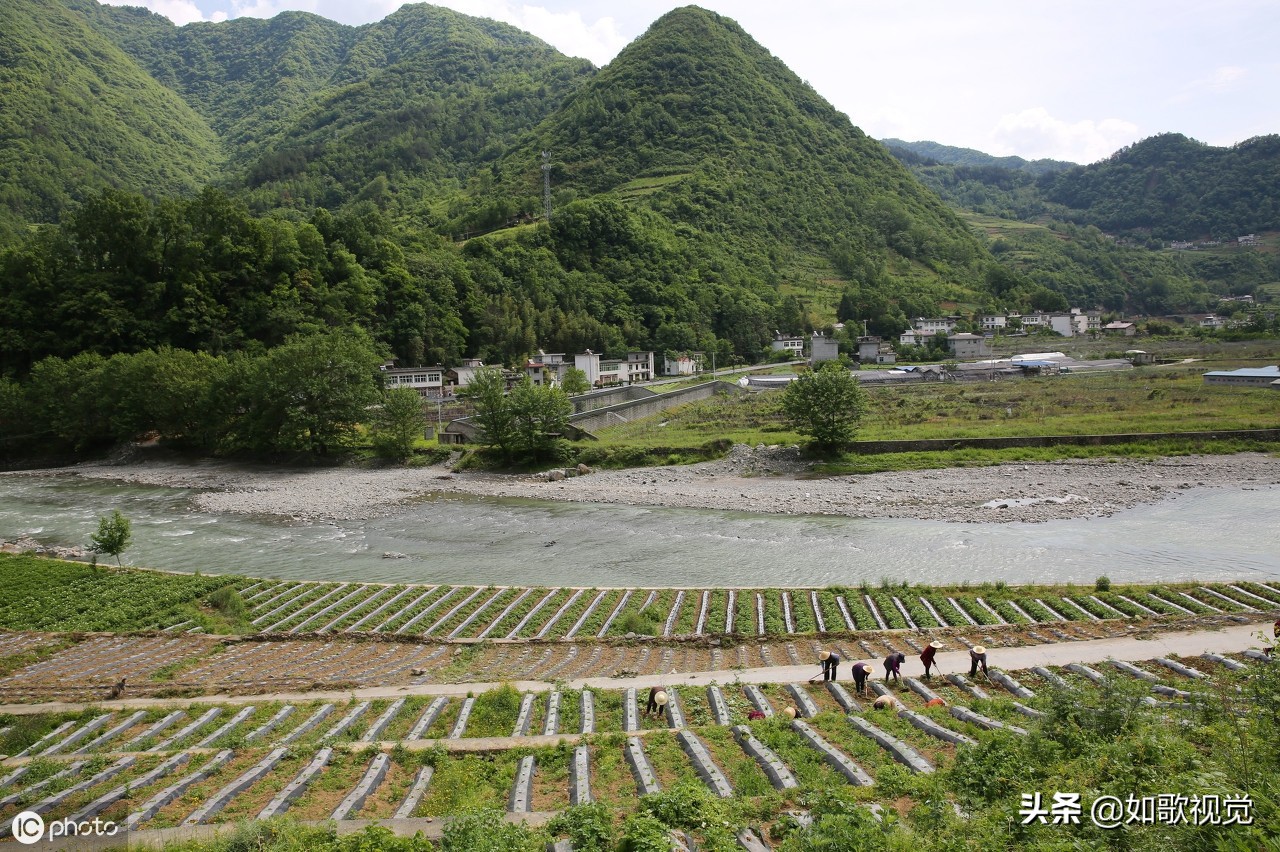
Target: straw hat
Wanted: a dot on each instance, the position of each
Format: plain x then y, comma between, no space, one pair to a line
824,655
789,712
660,698
937,646
979,650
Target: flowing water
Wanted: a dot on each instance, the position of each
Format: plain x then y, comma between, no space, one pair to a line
1203,535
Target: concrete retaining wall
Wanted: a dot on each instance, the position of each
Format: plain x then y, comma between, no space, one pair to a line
627,411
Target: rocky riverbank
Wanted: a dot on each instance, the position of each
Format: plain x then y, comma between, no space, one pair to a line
771,480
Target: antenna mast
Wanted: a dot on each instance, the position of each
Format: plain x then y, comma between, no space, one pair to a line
546,185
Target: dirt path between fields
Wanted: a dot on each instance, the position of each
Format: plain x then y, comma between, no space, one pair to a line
1148,645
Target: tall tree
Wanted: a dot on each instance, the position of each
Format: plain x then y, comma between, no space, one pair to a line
541,417
494,415
826,404
398,423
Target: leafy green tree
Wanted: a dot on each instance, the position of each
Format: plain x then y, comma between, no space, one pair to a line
541,417
398,424
114,535
494,414
825,404
575,382
307,395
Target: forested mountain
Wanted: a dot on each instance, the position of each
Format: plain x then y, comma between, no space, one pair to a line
1176,188
224,187
77,114
1164,188
935,153
315,113
696,180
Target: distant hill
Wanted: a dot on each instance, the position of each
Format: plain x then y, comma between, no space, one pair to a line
698,123
222,186
78,114
313,112
932,153
1172,187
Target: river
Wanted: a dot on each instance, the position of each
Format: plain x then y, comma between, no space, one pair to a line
1206,534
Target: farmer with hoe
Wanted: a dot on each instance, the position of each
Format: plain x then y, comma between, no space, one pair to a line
978,657
893,666
926,656
861,671
830,660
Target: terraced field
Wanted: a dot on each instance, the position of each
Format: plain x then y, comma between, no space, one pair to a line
421,756
42,594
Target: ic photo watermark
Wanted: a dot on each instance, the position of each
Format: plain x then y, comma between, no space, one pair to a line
1113,811
30,828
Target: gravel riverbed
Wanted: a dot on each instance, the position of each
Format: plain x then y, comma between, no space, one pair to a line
769,480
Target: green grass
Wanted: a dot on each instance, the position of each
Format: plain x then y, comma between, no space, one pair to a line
1139,401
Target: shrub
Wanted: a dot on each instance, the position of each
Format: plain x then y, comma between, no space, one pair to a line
1102,584
228,602
589,827
487,831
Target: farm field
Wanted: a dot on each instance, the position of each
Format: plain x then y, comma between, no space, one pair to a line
68,597
1149,399
952,756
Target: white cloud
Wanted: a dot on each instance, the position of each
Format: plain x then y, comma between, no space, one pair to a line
1034,133
1222,80
179,11
268,8
568,32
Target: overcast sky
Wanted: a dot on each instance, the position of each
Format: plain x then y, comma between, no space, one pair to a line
1072,81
